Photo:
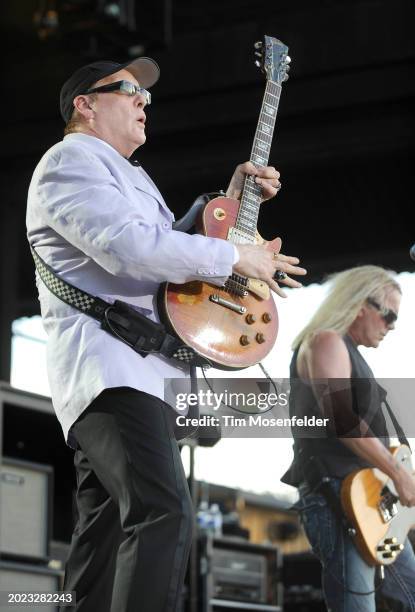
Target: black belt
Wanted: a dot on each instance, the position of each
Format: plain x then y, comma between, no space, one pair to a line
119,319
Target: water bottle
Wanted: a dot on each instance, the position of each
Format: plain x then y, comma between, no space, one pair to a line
215,522
203,517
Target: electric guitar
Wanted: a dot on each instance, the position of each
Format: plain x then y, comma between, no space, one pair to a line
373,508
234,326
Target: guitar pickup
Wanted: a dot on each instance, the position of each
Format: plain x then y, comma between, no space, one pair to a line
388,507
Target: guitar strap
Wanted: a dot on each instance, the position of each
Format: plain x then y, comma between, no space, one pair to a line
120,319
401,435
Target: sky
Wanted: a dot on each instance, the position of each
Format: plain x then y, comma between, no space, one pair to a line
249,464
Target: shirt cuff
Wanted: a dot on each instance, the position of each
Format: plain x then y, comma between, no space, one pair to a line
235,255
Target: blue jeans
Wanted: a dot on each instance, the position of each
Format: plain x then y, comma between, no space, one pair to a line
343,569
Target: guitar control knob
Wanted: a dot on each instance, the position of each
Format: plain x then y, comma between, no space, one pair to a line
260,338
391,540
266,317
389,555
384,548
244,340
250,318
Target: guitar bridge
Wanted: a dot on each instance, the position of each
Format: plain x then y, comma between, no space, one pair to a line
237,284
214,297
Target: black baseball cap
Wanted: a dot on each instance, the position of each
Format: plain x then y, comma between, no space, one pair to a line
144,69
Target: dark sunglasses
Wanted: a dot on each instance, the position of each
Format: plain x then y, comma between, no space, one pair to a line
388,315
124,87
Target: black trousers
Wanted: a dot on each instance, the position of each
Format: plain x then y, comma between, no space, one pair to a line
132,539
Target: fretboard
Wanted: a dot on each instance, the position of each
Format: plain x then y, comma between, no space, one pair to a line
247,218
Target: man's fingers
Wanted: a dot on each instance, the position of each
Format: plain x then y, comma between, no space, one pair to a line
268,182
269,187
288,264
247,168
288,258
290,282
276,288
289,269
276,247
267,172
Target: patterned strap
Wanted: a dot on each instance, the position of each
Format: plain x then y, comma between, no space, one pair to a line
96,308
86,303
188,355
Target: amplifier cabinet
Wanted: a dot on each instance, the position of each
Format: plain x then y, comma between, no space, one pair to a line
239,574
26,491
236,574
302,583
18,577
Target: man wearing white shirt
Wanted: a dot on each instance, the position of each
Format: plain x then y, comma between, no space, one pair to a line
102,225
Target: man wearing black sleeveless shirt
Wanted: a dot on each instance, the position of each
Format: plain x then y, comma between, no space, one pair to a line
330,376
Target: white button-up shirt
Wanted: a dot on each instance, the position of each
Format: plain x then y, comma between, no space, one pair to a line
104,227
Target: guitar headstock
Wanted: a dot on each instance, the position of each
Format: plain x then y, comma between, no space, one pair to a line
274,60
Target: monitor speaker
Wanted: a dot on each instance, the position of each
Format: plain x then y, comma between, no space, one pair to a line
24,578
25,509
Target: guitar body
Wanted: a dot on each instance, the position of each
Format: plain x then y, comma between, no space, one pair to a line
370,503
224,336
236,326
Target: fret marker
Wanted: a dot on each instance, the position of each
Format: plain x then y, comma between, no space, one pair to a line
265,128
269,109
262,146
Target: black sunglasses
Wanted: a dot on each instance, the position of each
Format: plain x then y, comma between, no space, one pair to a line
125,87
388,315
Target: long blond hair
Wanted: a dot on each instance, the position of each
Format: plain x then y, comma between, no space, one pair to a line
348,292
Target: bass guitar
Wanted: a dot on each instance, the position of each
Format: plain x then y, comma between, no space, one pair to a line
373,508
234,326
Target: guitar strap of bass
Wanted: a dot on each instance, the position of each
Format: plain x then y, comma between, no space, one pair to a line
401,435
398,429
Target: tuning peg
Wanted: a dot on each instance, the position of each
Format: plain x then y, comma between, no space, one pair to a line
258,53
287,68
258,44
288,59
286,77
258,63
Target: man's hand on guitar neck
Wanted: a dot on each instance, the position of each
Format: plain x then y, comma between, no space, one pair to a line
267,177
256,261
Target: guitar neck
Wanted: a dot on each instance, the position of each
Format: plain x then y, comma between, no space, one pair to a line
247,218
